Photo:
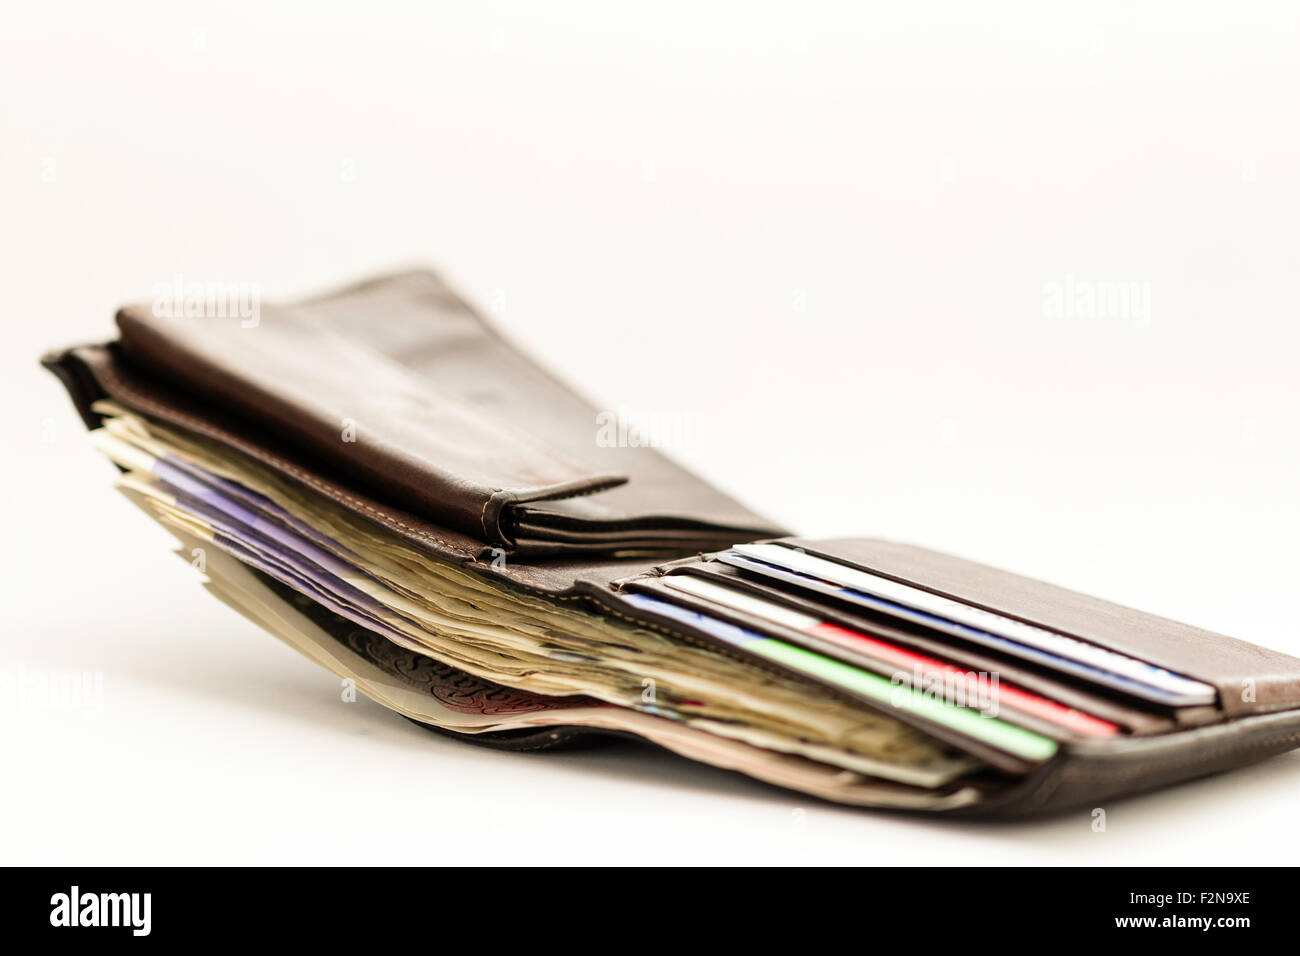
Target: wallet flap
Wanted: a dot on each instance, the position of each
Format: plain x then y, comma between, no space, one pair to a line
359,411
417,320
398,400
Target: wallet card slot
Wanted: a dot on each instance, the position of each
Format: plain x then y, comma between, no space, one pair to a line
1246,677
965,623
969,689
1133,720
997,757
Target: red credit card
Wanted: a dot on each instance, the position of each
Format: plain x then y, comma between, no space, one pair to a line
975,686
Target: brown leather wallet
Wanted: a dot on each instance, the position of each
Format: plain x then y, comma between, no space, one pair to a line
468,450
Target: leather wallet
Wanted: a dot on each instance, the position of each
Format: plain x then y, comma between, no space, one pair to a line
467,451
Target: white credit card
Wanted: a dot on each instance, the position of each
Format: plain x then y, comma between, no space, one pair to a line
1175,688
740,601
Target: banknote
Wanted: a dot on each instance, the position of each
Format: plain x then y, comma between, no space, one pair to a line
426,690
427,608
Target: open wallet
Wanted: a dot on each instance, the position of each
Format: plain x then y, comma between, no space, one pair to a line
379,479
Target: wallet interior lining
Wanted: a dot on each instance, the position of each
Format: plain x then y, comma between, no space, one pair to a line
1139,717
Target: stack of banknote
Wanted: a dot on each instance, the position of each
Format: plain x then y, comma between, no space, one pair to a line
455,650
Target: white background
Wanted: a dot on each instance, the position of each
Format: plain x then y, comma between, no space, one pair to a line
825,233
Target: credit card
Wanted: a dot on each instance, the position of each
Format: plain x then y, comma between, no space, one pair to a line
1048,648
892,659
1022,743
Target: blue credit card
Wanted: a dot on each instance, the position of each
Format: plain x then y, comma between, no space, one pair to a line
1126,683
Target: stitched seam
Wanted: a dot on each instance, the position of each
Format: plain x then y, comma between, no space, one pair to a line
482,516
